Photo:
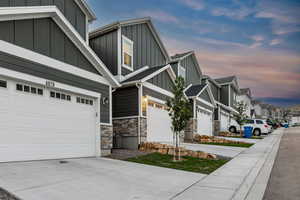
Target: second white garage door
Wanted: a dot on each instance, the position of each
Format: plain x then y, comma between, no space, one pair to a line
158,124
224,122
37,123
204,122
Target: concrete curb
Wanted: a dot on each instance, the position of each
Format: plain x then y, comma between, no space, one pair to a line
256,182
243,178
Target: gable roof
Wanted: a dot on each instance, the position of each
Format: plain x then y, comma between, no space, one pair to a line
148,73
206,77
225,80
179,57
86,9
194,90
246,91
116,25
13,13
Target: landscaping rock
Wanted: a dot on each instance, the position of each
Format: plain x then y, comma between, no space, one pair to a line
213,139
170,149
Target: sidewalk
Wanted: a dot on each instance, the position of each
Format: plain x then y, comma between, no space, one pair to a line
234,180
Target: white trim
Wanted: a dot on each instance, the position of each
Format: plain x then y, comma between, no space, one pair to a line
119,41
126,39
181,67
190,85
204,109
156,100
205,102
129,117
135,73
86,9
110,105
12,13
167,67
40,81
194,108
49,62
158,89
211,96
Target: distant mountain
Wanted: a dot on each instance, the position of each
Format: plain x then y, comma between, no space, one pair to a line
295,108
284,102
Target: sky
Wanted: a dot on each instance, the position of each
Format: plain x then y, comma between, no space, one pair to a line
256,40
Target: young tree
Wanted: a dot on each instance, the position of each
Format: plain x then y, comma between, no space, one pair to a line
179,111
240,117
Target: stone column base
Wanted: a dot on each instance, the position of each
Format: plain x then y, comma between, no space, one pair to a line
129,132
190,130
106,139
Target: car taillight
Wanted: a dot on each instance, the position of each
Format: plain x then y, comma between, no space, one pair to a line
266,126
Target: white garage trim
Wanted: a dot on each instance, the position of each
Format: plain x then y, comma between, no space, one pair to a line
156,100
158,89
204,109
205,102
40,81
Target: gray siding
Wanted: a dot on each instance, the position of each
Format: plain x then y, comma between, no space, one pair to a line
45,37
149,92
125,102
162,80
68,7
192,74
35,69
175,68
105,47
205,96
224,95
215,91
146,50
232,102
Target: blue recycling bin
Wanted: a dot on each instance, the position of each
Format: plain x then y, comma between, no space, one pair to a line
248,131
286,125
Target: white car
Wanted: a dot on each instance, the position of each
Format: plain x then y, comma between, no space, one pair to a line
259,126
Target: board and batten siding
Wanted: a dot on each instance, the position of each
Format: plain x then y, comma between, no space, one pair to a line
45,37
162,80
125,102
69,8
105,46
175,67
205,96
192,74
215,91
146,51
224,95
42,71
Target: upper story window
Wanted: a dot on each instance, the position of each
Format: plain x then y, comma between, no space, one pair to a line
181,72
127,53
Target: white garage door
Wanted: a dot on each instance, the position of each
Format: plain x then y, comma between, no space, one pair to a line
204,122
224,122
158,124
37,123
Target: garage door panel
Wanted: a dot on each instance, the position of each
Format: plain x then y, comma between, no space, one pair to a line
158,125
204,122
37,127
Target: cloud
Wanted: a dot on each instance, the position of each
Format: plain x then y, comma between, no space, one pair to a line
159,15
284,17
275,42
257,38
239,13
268,73
255,45
194,4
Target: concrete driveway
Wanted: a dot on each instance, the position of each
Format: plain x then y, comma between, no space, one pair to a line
91,178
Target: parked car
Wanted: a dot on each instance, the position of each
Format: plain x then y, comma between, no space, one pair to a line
259,127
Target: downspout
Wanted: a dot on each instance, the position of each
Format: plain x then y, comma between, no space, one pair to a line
139,86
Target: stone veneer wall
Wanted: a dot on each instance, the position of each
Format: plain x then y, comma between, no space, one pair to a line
190,130
217,127
126,132
106,139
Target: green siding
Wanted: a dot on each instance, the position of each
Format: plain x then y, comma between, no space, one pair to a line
192,74
162,80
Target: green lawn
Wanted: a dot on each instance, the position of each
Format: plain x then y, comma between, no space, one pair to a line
245,145
253,137
191,164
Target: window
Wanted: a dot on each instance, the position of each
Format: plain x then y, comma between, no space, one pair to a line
78,99
250,121
84,101
19,87
91,102
57,95
181,72
33,90
3,84
26,88
63,96
259,122
127,52
40,92
52,94
68,98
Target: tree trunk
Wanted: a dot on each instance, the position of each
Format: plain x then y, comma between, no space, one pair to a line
241,131
177,153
